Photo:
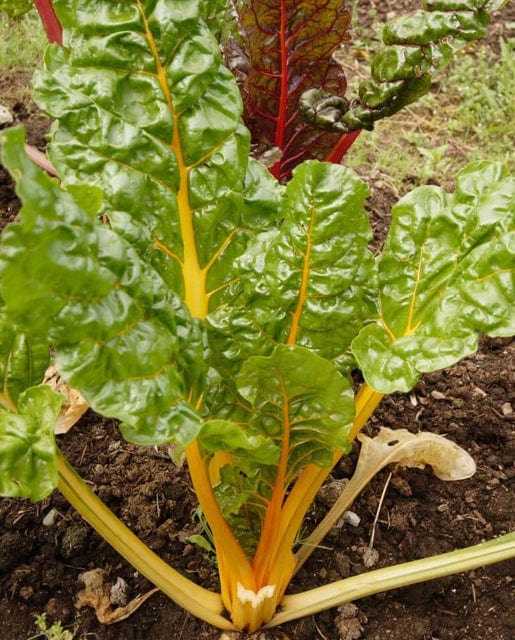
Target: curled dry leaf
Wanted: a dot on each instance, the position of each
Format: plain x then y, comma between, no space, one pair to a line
97,594
74,405
448,460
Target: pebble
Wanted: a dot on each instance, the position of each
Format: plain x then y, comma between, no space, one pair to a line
331,491
50,518
74,541
349,517
6,117
119,593
370,557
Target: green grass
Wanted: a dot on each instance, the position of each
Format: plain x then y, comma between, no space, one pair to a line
468,116
22,41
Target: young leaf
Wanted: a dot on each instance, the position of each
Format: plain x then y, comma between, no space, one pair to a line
27,445
288,49
23,362
309,281
224,435
445,275
121,336
301,399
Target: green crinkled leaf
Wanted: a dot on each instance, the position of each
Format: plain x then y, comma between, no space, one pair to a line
121,336
224,435
301,399
307,282
147,112
424,27
23,361
242,498
27,445
417,44
446,274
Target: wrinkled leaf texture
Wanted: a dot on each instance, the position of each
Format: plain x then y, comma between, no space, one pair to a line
23,361
310,281
300,408
146,112
151,120
287,48
416,45
457,280
120,335
27,445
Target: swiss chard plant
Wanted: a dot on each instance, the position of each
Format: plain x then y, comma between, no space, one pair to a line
183,290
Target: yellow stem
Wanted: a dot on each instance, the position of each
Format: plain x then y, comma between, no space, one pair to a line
380,580
200,602
267,546
234,566
312,477
194,276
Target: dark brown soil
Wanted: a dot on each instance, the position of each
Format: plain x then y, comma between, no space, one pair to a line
472,403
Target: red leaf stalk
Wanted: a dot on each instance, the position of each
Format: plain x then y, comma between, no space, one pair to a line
344,143
52,26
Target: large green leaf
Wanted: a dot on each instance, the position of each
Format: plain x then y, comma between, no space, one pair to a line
23,361
147,112
285,48
446,274
27,445
301,400
121,336
307,282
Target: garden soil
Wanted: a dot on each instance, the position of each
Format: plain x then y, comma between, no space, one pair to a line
45,547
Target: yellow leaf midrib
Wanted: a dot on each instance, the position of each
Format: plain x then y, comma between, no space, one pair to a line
194,277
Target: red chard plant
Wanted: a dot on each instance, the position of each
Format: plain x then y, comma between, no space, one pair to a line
184,290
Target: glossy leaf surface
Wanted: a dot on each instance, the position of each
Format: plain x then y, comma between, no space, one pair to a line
147,112
287,49
457,257
27,445
23,362
121,336
301,399
308,282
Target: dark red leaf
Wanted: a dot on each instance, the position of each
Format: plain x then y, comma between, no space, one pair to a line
288,46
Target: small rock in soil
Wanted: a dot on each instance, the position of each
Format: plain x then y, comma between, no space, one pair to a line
50,518
349,622
342,564
331,491
74,541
